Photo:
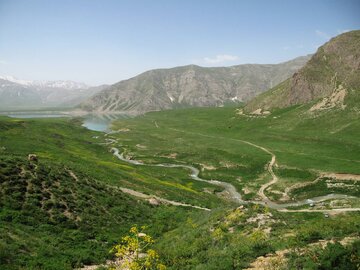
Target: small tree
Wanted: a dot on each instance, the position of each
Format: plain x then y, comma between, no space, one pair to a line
134,252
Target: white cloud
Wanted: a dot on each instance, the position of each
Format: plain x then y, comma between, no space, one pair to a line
322,34
3,62
220,58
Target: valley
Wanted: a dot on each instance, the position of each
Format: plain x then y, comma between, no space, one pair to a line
151,150
159,173
273,183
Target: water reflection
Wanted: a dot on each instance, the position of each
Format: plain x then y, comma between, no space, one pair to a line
35,115
102,122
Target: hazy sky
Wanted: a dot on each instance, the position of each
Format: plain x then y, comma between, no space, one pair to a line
106,41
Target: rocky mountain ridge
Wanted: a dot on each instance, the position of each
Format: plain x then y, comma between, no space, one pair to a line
191,86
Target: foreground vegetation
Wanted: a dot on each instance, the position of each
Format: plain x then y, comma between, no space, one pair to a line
53,217
234,239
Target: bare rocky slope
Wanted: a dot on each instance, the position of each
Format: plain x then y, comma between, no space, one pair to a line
190,86
331,77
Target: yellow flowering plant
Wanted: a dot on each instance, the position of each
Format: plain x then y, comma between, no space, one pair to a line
134,252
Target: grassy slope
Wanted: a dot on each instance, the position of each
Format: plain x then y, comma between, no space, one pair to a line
51,221
66,141
275,97
232,239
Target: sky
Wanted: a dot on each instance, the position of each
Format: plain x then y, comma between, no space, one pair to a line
105,41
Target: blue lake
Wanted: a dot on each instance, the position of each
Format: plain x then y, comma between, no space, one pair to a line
97,122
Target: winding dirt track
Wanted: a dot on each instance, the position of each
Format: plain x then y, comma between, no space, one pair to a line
234,194
270,166
161,200
273,180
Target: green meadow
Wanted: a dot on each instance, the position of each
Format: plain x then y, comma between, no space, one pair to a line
214,140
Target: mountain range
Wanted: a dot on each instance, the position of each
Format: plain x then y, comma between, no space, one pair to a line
48,84
191,86
331,76
16,94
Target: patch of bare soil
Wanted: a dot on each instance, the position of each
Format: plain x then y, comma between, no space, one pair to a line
260,112
171,155
262,219
335,100
278,260
140,146
275,261
342,176
228,165
72,174
155,200
246,190
207,167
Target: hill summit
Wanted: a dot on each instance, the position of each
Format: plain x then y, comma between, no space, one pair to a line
331,77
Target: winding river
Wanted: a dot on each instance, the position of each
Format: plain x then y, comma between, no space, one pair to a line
194,174
102,123
233,193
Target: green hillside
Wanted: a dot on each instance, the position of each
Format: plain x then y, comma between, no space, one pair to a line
56,218
66,209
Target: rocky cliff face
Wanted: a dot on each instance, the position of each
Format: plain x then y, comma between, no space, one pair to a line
189,86
334,69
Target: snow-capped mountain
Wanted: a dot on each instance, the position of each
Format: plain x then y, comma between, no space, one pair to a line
47,84
24,94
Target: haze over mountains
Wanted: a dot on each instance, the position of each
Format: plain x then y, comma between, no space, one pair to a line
186,86
17,94
191,86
